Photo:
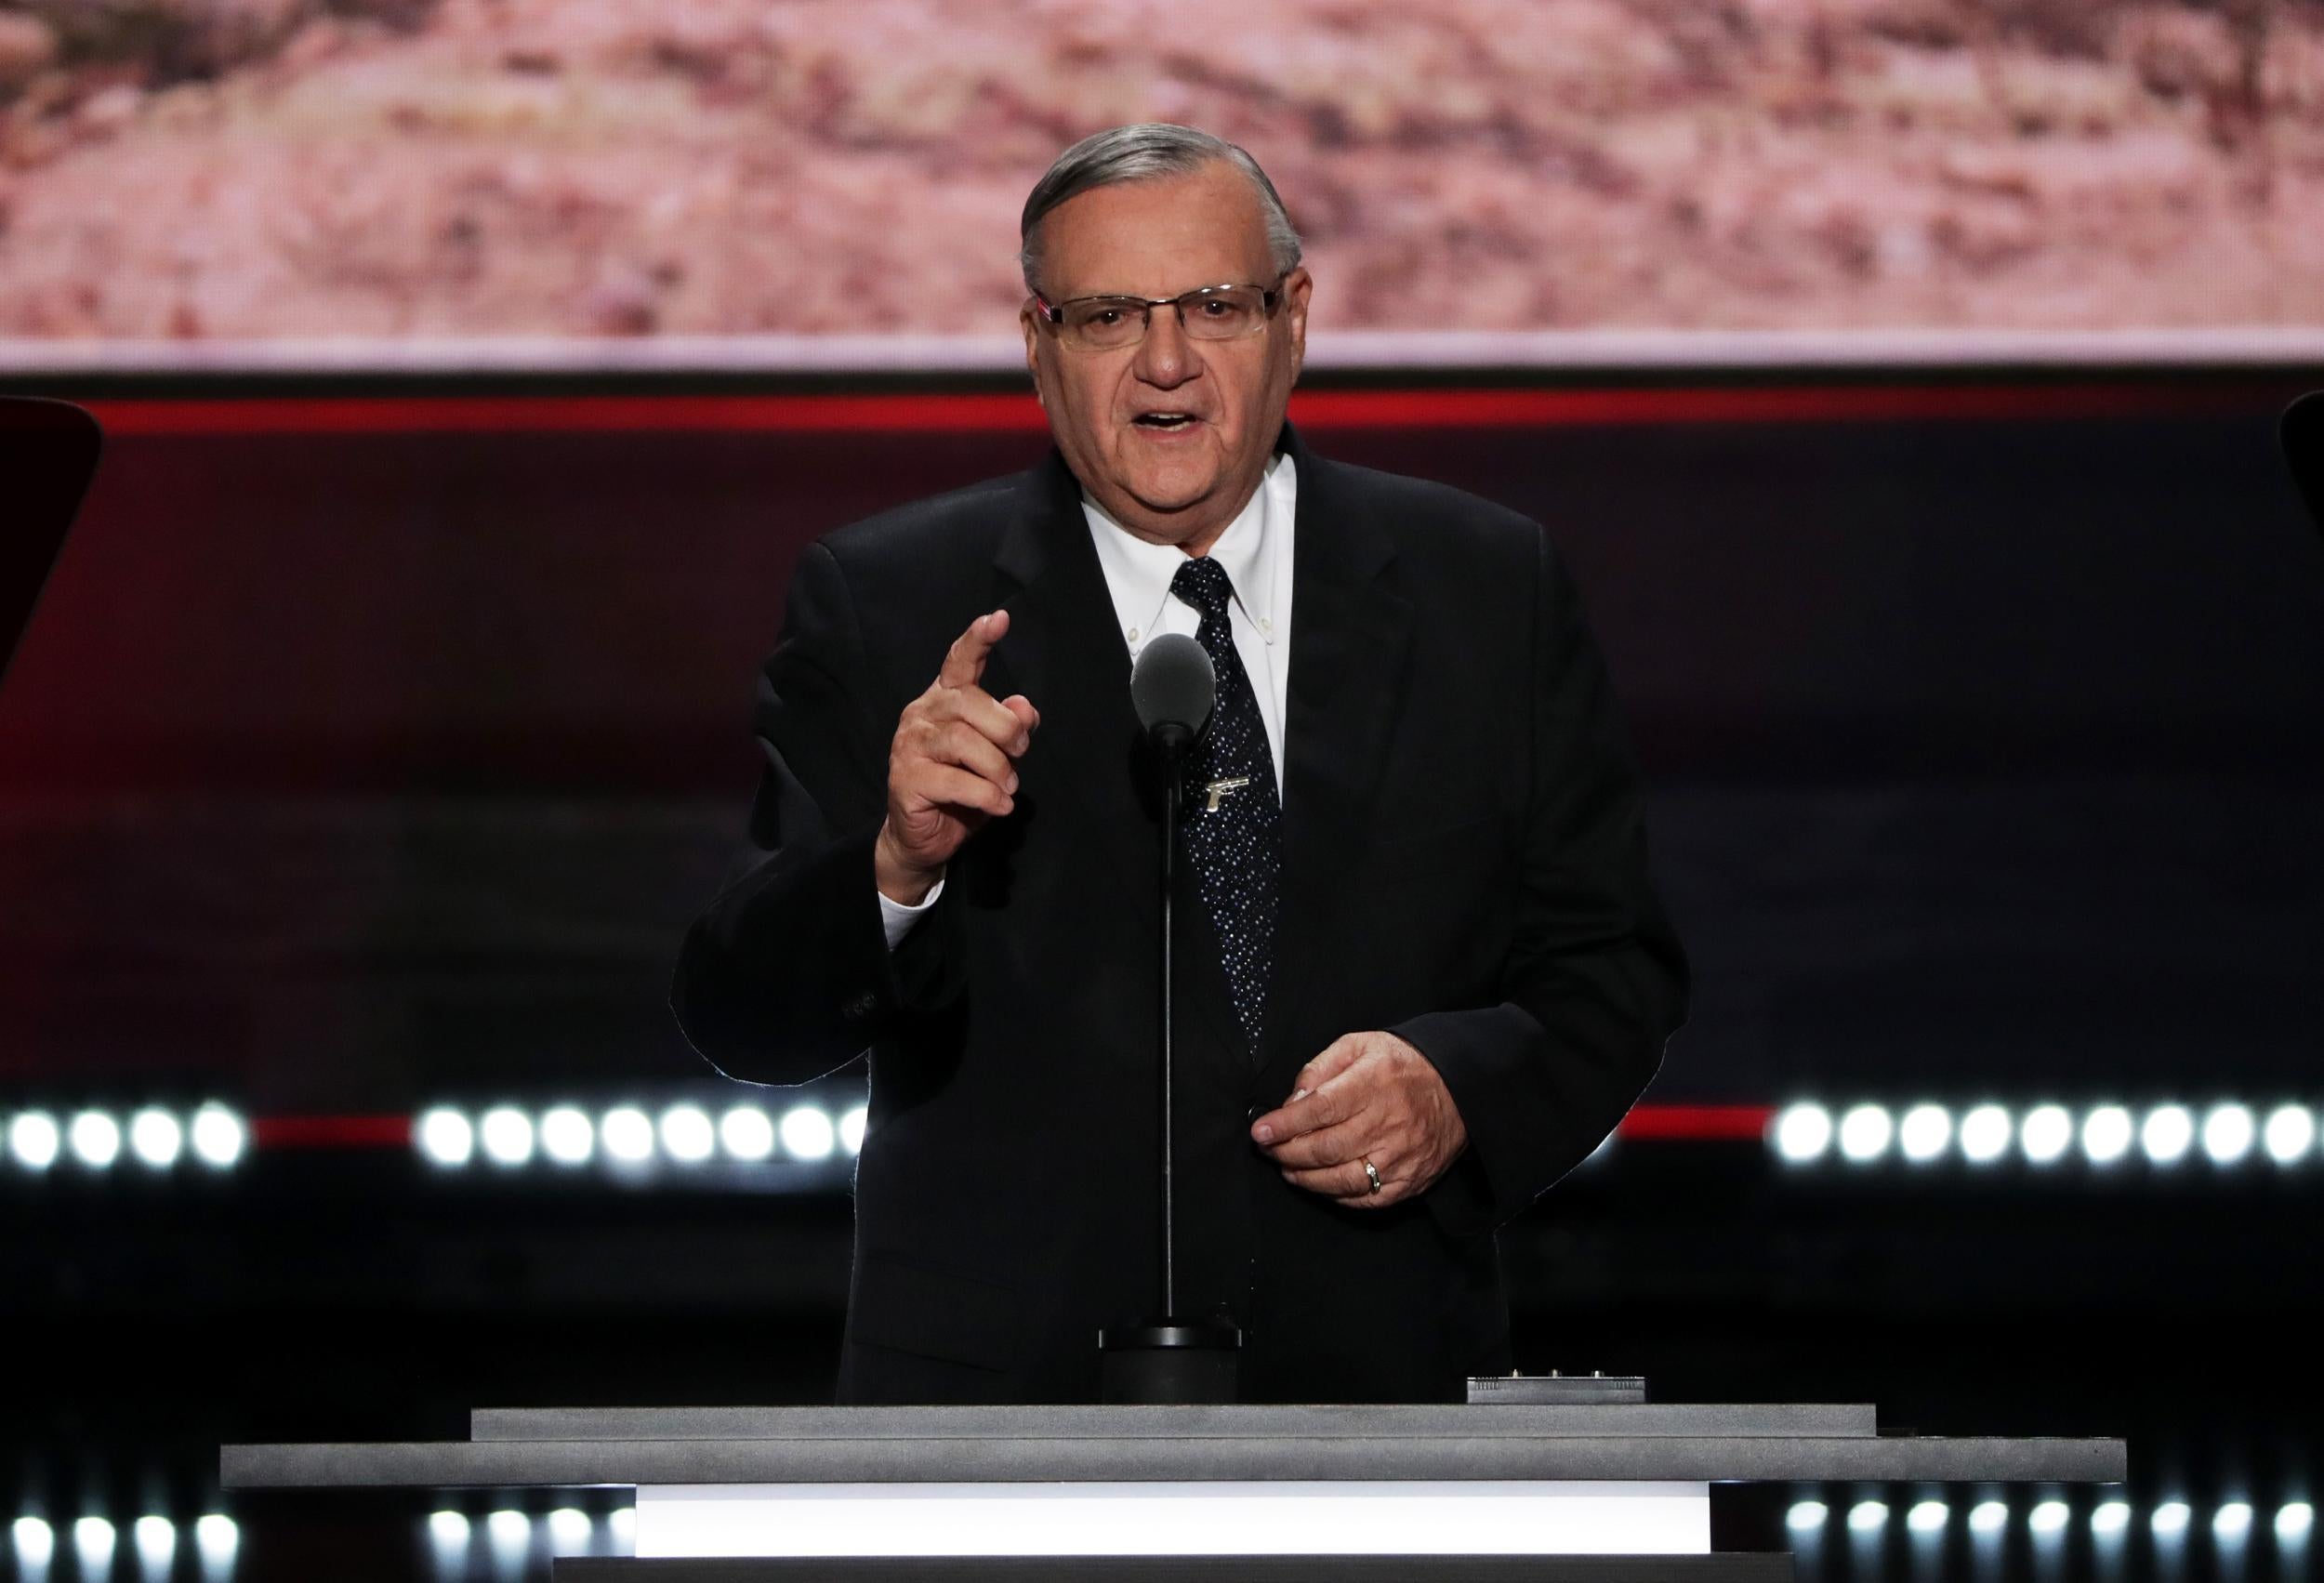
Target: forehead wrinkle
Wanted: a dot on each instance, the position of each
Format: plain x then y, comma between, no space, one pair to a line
1192,228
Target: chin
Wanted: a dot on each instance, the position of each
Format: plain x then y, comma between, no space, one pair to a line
1174,485
1167,502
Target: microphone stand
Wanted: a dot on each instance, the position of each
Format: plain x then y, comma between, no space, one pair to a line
1172,740
1169,1360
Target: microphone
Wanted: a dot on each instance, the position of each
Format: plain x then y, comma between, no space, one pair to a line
1172,687
1167,1359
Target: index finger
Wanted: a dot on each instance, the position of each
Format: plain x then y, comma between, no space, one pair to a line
964,662
1327,1106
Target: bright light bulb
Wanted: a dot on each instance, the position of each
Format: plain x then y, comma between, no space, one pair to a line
808,1134
1988,1517
93,1542
2232,1521
1802,1133
507,1135
2046,1134
448,1528
628,1135
2227,1134
156,1139
746,1133
1928,1517
2293,1519
95,1140
218,1137
217,1535
569,1526
35,1541
1985,1134
1805,1516
2169,1133
156,1539
2290,1133
1864,1132
2048,1517
852,1123
2106,1135
1924,1133
687,1135
2110,1517
2170,1518
509,1529
621,1523
446,1138
567,1136
33,1139
1867,1517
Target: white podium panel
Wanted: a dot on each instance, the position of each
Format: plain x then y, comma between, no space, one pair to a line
1325,1517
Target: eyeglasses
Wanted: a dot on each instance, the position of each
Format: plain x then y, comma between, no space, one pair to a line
1206,313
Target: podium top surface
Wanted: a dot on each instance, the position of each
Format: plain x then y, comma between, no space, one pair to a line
571,1447
1336,1422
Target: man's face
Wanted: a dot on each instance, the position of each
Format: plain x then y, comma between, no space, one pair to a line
1182,483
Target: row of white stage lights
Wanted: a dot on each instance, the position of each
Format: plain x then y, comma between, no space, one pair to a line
98,1140
2230,1522
683,1134
154,1540
509,1534
2227,1134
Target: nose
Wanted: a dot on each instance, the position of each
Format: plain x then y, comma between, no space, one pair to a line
1166,358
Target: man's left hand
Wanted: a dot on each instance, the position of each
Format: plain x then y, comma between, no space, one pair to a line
1368,1097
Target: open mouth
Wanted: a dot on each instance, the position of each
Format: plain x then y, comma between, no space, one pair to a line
1165,422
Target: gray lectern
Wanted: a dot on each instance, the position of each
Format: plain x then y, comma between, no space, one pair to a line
1476,1492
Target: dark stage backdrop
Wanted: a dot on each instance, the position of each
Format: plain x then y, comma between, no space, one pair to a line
361,751
372,752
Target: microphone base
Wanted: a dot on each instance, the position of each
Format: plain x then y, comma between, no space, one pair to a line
1170,1363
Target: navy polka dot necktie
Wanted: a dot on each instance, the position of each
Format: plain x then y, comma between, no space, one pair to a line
1231,827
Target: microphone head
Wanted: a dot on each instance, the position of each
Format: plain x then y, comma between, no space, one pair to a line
1172,684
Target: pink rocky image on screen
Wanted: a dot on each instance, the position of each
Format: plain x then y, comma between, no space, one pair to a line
235,170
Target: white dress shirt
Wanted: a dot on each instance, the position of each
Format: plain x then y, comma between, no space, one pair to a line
1254,553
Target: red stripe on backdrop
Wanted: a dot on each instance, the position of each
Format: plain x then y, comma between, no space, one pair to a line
331,1131
504,415
1697,1124
1691,1124
1008,413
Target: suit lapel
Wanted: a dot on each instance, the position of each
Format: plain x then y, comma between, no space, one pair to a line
1349,635
1062,650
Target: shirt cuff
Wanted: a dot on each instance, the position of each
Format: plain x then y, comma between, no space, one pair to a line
896,920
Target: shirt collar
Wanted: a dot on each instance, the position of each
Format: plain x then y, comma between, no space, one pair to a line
1138,572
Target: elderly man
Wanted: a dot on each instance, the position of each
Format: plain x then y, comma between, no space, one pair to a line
1423,972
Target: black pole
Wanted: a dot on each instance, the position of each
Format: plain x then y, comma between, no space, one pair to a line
1173,780
1167,1359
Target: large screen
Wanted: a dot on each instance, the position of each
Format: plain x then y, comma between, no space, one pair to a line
836,182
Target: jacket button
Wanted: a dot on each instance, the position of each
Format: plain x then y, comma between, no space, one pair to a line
859,1007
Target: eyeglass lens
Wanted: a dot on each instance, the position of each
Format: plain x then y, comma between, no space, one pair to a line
1215,314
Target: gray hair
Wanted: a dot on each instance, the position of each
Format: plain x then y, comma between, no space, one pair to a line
1143,152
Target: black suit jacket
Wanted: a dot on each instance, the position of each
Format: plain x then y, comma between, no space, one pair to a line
1465,864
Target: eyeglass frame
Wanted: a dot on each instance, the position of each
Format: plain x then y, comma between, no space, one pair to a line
1269,297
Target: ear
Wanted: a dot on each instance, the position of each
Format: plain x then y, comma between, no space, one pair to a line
1030,323
1298,287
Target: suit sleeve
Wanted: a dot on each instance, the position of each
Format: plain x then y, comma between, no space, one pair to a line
787,974
1595,981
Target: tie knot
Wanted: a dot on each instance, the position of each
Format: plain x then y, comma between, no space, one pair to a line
1201,584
